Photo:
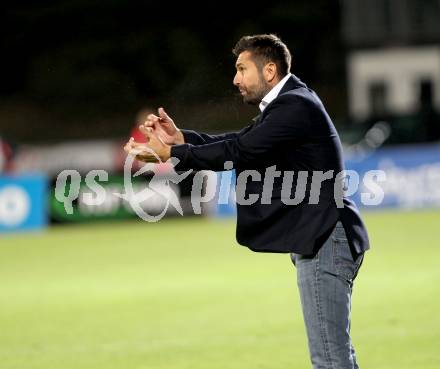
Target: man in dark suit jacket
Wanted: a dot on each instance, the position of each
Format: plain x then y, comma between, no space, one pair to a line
291,148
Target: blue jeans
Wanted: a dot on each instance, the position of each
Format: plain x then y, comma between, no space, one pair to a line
325,282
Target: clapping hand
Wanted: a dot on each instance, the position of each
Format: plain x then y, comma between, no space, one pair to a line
154,151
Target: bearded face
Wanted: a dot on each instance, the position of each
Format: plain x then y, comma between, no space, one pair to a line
249,79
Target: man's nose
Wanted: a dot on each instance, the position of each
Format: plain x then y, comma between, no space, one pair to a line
236,80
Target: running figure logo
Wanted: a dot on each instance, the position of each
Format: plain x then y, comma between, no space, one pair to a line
159,185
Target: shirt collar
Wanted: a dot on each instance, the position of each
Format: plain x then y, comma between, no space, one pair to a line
272,94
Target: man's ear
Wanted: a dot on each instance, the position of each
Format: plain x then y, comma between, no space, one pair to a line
270,72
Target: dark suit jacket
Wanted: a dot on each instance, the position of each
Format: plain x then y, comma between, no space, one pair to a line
294,133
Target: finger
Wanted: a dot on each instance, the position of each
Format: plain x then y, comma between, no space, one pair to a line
143,153
142,127
127,146
146,158
163,114
149,123
140,158
152,117
132,147
137,152
139,147
146,131
152,120
129,149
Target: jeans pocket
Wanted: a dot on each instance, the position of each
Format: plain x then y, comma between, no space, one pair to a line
345,266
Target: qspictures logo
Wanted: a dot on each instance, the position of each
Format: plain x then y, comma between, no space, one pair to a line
158,189
158,185
306,188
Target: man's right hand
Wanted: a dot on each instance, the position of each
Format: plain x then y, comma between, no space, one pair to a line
164,127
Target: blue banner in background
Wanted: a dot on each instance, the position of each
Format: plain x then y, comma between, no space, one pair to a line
23,203
412,176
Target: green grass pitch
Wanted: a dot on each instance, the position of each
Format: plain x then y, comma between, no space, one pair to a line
181,294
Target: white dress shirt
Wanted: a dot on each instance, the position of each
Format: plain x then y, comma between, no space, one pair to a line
272,94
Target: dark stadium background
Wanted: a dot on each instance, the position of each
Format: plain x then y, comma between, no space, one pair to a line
75,66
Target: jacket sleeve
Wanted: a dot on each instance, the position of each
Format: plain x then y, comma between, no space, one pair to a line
286,120
198,138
